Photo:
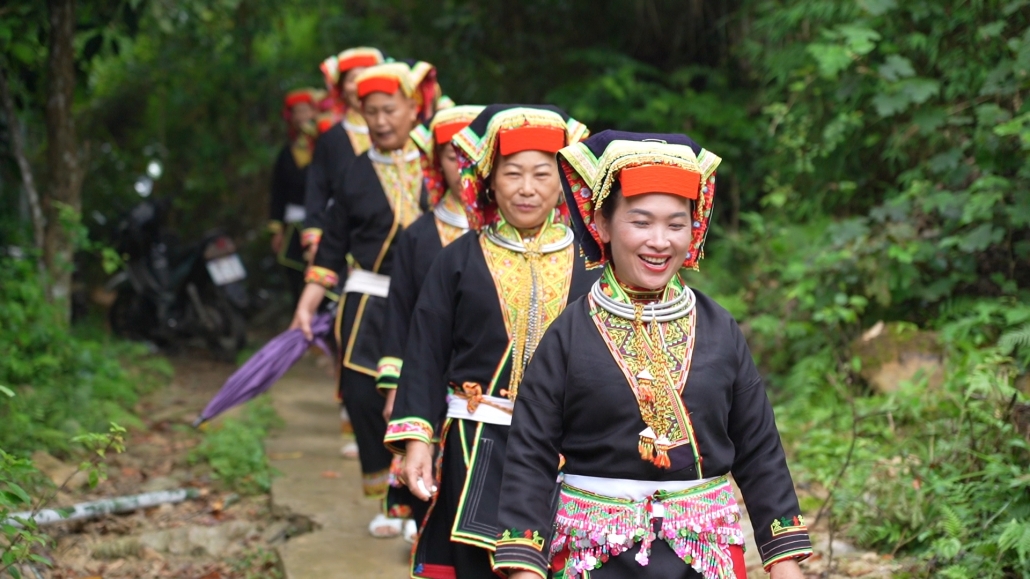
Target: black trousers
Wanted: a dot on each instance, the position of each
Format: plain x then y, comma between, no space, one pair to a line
365,407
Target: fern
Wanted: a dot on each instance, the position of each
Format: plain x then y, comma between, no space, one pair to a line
1014,339
1016,537
951,522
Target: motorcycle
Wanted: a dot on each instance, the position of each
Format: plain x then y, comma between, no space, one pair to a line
168,292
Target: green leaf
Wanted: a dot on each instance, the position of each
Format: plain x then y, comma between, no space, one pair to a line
831,58
991,30
6,391
860,39
919,90
896,67
888,105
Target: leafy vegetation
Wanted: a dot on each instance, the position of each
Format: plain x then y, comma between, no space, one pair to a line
66,382
235,448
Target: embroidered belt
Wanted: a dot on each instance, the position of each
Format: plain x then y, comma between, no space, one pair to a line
699,523
469,403
628,489
360,281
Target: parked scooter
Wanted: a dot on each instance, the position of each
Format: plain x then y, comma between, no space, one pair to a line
169,293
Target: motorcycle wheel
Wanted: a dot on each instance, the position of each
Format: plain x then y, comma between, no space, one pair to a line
230,333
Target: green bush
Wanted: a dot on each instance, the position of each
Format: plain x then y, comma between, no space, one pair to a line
67,381
235,448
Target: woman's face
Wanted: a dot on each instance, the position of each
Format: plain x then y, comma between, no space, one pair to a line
390,118
526,187
449,163
301,114
349,87
649,236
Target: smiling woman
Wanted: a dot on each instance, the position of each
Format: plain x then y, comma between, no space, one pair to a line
487,300
648,453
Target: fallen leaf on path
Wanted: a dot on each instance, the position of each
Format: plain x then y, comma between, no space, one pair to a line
212,575
285,455
330,474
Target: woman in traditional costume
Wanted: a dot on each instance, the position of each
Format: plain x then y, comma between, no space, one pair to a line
416,248
381,195
648,390
344,136
289,176
485,303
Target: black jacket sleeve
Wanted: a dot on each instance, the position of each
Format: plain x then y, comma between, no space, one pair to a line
422,391
760,466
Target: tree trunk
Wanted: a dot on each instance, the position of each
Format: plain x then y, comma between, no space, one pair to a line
63,159
18,145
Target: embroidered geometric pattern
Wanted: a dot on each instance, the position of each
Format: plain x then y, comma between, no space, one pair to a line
699,524
533,289
401,430
389,372
402,183
655,359
525,538
322,276
790,541
375,484
590,181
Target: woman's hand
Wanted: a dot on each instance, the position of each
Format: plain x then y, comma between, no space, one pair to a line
788,569
306,307
418,469
391,395
523,575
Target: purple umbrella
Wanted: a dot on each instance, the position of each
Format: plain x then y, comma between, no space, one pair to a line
266,367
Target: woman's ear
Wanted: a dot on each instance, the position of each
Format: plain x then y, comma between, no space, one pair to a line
602,226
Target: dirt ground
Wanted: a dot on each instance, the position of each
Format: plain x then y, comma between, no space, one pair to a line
218,535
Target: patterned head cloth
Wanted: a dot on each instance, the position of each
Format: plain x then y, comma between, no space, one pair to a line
334,67
417,81
438,131
636,163
505,130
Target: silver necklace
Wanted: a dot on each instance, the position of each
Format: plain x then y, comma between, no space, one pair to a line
451,218
380,157
674,309
519,247
350,127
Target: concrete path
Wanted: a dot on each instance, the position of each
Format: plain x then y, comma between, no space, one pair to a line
316,482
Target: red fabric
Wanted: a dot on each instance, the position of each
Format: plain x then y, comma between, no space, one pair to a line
548,139
437,572
739,566
356,61
378,84
660,179
296,98
443,133
325,124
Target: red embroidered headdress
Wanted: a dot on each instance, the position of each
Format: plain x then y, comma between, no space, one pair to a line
640,163
504,130
417,81
439,130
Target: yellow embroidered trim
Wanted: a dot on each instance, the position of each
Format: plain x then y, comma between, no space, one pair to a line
360,142
533,289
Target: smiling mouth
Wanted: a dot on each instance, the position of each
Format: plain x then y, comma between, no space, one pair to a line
655,262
